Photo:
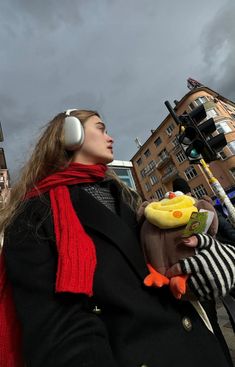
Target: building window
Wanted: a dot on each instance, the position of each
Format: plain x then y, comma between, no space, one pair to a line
222,155
121,171
147,153
181,157
158,141
2,182
232,171
231,146
211,112
152,165
223,127
200,100
147,186
190,172
125,175
143,172
170,128
153,180
139,161
175,142
199,191
168,169
163,154
159,194
191,106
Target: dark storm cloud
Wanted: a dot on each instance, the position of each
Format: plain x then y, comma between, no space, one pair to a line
219,51
123,58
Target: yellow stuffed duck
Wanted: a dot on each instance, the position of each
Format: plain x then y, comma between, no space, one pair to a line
172,212
161,237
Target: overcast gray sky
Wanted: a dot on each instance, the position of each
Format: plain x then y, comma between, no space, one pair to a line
121,57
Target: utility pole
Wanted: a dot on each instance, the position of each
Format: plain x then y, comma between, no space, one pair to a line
219,191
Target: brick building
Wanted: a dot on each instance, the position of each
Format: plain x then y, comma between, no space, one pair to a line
160,159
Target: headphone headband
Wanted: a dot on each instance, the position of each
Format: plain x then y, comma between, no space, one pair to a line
67,112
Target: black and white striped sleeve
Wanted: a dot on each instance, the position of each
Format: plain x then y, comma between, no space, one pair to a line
212,269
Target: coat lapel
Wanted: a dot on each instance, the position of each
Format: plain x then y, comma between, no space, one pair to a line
121,230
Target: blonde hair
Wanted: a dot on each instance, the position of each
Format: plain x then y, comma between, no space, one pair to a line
48,156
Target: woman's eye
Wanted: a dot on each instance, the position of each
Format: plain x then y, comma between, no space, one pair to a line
102,127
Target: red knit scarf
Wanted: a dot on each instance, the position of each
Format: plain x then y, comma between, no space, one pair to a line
76,254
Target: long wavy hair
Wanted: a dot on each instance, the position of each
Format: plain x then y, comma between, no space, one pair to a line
49,156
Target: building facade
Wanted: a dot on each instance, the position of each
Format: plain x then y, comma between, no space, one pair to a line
124,170
160,159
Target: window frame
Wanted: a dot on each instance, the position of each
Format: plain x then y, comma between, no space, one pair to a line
158,141
147,153
188,173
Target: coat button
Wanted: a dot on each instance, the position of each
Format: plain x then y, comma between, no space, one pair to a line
96,310
187,323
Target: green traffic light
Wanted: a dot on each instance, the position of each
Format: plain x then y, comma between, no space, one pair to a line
194,153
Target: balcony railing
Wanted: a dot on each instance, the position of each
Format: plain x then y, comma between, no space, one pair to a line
150,169
163,160
170,175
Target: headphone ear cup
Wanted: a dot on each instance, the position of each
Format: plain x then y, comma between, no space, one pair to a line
73,133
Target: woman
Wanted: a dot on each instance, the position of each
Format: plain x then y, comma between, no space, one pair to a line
73,259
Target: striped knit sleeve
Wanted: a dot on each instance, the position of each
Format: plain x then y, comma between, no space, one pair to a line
212,269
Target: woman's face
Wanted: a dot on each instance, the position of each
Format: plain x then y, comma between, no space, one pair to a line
97,146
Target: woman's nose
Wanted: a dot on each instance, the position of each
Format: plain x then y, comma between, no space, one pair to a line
110,139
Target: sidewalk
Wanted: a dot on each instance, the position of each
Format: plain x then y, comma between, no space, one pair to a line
226,329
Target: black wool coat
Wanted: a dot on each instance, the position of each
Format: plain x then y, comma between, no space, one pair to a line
125,324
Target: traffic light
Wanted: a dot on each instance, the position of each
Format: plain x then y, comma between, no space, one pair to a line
190,145
195,136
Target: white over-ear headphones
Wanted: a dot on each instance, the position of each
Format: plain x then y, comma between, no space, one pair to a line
73,131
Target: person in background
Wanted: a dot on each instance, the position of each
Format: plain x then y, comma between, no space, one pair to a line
226,231
180,184
225,234
72,258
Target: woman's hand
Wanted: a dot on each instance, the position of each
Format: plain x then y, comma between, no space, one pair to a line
176,268
212,269
190,241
